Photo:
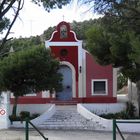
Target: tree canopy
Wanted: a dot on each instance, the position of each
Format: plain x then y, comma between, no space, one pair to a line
29,71
123,12
34,69
24,43
120,50
7,6
117,39
21,44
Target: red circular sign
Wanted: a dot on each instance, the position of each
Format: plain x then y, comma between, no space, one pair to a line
2,111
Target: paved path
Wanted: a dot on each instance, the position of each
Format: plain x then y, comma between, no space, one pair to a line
19,134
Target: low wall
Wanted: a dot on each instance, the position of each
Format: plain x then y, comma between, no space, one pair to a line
32,108
4,111
105,108
105,123
39,120
45,116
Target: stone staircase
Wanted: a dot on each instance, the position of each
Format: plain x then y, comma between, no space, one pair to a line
67,117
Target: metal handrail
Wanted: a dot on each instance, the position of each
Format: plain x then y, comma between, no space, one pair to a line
128,121
114,130
27,130
115,126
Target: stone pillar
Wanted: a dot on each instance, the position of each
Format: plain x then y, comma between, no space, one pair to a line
53,93
4,110
132,95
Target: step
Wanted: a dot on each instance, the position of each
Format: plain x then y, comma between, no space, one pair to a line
69,102
67,117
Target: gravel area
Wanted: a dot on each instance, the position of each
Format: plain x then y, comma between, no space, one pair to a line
19,134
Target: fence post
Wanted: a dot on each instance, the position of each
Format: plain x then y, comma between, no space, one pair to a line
27,129
114,129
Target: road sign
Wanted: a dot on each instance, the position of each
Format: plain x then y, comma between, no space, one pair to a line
2,111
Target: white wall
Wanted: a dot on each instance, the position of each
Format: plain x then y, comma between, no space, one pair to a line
105,108
132,91
32,108
45,116
115,81
103,124
39,120
4,108
132,95
106,124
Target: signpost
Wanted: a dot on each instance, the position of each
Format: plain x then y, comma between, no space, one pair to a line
4,110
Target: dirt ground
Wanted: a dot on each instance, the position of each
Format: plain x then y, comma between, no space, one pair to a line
19,134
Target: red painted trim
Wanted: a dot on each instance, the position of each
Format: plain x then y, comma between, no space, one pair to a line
71,57
70,35
100,100
74,100
29,101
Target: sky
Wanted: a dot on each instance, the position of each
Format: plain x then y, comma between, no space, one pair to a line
34,20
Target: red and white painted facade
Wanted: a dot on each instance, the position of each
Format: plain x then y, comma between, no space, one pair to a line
85,81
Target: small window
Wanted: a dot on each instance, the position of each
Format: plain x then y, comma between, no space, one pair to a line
99,87
63,52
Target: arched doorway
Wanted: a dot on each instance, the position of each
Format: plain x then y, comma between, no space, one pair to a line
66,93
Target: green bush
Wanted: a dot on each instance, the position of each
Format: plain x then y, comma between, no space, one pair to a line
130,110
14,118
24,114
119,115
122,81
33,116
129,113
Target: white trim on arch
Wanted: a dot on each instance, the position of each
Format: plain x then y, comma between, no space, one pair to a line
75,37
73,76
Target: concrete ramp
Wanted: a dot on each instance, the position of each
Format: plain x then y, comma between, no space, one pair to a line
67,117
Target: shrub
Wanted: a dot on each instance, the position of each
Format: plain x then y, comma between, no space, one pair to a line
122,81
129,113
24,114
14,118
130,110
35,115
